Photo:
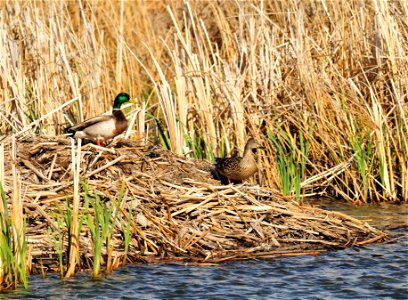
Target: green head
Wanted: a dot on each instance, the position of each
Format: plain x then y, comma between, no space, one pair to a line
120,99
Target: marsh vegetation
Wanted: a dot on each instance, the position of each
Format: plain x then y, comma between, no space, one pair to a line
323,86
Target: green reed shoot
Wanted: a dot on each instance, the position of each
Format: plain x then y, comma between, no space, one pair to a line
6,243
198,147
22,261
57,237
13,270
163,135
127,233
100,225
95,228
67,216
363,156
114,212
292,151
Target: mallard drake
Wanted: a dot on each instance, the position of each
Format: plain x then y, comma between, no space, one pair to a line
239,168
103,127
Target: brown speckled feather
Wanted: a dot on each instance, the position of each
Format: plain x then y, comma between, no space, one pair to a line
239,168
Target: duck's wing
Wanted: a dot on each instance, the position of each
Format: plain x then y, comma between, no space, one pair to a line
87,123
224,164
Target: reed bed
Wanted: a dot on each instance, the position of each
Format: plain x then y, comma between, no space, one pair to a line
142,203
322,83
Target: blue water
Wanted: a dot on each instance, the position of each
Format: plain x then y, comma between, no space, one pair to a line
371,272
377,271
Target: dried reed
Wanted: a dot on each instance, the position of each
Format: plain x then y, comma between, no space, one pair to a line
334,74
74,233
157,206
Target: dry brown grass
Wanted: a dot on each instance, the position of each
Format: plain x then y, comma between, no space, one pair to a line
331,75
335,71
175,210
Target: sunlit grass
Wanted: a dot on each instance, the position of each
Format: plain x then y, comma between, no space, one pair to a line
58,240
291,156
321,84
13,251
101,224
305,78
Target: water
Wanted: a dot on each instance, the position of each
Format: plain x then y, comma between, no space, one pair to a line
371,272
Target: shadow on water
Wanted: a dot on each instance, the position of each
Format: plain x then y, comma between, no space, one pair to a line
371,272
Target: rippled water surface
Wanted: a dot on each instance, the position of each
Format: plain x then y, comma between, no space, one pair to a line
370,272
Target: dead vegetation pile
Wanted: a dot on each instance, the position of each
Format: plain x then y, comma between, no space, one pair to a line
171,205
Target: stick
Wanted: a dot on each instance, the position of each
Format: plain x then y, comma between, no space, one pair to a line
105,166
74,234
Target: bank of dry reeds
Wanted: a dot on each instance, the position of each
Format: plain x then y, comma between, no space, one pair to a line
322,83
160,207
323,86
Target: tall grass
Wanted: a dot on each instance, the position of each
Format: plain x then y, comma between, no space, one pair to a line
12,251
58,241
215,74
101,225
127,234
13,243
291,158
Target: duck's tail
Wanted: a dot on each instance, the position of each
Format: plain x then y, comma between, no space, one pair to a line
69,132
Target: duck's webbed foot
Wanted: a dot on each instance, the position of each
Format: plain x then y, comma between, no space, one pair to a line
100,142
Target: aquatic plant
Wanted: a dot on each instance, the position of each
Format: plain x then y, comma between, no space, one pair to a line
101,223
291,156
63,221
13,249
127,233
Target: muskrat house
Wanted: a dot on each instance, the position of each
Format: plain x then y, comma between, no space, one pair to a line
173,207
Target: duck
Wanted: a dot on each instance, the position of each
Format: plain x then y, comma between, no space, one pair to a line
103,127
238,168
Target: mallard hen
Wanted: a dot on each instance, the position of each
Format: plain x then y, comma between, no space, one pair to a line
239,168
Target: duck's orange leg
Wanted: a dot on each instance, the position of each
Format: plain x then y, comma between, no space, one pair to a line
100,142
